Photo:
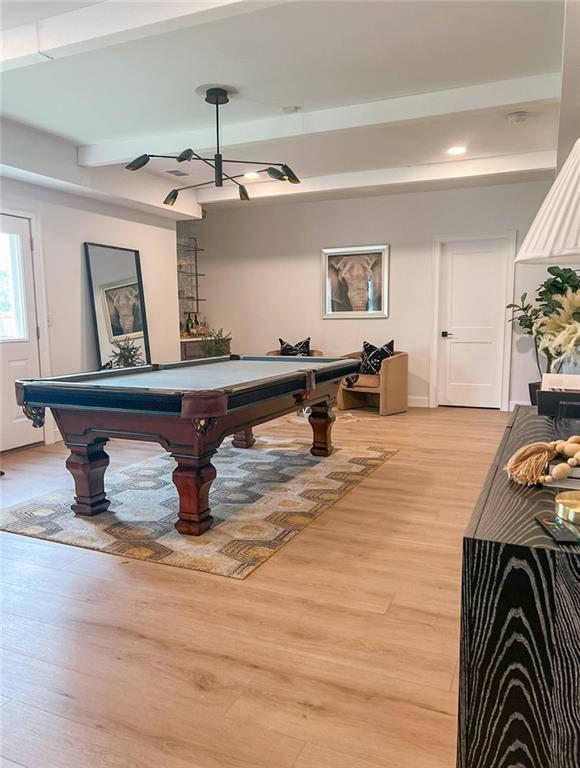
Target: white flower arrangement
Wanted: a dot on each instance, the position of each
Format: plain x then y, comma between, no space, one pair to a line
553,320
558,333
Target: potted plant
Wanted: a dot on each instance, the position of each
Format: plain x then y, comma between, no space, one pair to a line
552,319
216,343
125,355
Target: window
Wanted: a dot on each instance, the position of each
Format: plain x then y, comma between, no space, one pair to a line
12,300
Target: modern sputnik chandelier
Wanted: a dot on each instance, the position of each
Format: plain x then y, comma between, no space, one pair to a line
218,97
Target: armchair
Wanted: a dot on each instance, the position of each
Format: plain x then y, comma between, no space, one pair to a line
390,387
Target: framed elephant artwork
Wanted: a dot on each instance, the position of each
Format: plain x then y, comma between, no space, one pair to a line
355,282
122,308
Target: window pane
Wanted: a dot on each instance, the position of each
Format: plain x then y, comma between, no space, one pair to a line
12,302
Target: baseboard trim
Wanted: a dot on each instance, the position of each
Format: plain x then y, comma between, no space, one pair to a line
419,402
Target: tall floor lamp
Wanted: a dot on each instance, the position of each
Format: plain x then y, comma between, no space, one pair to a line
555,232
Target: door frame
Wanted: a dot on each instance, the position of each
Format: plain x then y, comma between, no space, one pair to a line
506,342
40,300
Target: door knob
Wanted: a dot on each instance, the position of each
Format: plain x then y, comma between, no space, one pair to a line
446,334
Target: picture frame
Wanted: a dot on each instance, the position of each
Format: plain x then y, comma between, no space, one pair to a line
122,295
113,266
355,282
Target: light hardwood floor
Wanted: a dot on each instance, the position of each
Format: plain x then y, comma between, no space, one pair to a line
339,652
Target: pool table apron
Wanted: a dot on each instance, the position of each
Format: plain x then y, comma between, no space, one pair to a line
192,438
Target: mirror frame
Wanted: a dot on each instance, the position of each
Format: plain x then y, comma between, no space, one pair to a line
135,252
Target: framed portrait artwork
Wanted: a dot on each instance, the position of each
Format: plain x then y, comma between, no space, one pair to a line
122,309
355,282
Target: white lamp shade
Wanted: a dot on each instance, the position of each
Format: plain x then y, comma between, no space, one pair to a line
555,232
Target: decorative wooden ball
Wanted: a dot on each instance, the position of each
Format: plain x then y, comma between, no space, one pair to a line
548,479
574,439
561,471
570,449
573,462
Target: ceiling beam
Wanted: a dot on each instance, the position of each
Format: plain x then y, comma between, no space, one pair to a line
108,23
49,161
504,93
469,171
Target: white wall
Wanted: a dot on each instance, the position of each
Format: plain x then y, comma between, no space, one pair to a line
264,276
66,221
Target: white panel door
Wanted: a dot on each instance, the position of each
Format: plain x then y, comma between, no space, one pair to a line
18,329
472,321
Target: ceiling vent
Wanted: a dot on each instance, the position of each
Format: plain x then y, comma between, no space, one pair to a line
517,117
177,172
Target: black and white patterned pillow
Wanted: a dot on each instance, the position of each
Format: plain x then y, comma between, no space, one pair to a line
300,349
373,357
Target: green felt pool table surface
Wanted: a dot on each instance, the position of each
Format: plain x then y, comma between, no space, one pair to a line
193,376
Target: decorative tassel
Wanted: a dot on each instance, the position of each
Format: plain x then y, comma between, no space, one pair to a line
528,464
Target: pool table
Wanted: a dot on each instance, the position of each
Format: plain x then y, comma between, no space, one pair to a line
187,407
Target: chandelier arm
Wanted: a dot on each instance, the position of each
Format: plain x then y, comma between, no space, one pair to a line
193,186
211,165
252,162
205,183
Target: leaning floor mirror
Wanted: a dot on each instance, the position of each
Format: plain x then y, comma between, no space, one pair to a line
118,306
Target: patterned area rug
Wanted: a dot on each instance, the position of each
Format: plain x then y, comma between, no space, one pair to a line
261,499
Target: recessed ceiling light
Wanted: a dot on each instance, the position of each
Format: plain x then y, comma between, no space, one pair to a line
251,175
456,150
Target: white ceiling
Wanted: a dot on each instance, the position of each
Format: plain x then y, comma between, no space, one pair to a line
485,133
382,84
312,54
13,13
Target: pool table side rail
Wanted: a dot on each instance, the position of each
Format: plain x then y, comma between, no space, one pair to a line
73,392
86,377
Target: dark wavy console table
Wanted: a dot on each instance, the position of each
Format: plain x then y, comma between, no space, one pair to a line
519,699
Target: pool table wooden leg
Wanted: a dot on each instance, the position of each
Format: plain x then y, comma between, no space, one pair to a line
244,439
321,420
87,464
193,478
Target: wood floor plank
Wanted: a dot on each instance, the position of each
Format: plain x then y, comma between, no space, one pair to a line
430,745
265,675
319,757
236,605
339,652
34,738
36,551
153,715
